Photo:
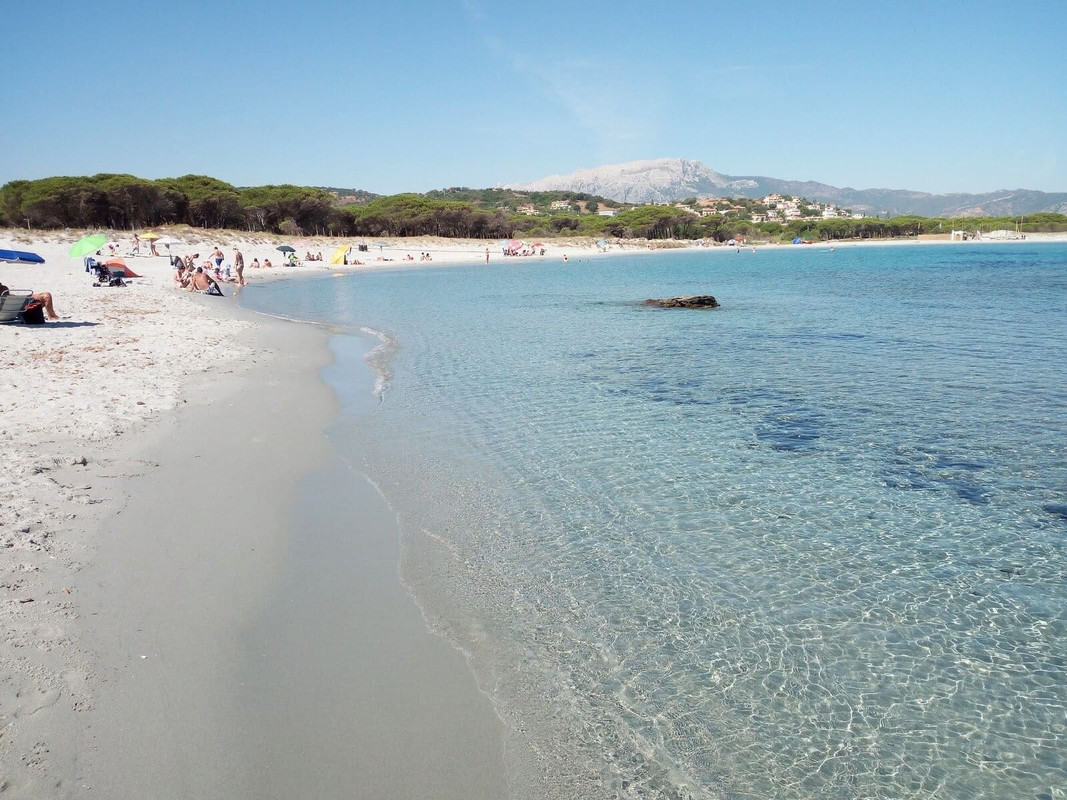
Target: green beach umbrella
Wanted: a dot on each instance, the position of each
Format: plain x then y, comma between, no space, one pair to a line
87,245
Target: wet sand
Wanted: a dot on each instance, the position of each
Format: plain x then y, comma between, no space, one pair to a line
251,634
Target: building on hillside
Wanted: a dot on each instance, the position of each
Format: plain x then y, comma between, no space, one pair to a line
528,210
608,212
710,212
561,205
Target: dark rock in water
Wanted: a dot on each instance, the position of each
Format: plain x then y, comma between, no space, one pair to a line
692,301
1058,510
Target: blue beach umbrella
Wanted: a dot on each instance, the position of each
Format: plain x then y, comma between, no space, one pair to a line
798,240
20,257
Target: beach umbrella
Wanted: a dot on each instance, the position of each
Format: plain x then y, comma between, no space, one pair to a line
87,245
20,257
286,248
167,241
150,236
514,244
538,244
339,254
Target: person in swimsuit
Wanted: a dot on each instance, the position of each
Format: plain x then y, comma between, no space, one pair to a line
44,298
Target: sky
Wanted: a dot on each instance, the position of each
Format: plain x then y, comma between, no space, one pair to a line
411,96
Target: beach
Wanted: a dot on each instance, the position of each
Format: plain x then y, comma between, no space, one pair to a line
155,444
202,598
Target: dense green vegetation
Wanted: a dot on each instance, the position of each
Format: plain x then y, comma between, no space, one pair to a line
125,202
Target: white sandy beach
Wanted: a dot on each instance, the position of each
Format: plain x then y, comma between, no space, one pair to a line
144,522
144,435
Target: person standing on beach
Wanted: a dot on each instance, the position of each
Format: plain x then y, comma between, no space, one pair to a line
239,266
487,256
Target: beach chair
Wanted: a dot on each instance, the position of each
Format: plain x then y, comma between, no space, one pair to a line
12,303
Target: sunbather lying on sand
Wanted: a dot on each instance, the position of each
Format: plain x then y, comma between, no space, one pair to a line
44,298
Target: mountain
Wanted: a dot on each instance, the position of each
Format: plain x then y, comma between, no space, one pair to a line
664,180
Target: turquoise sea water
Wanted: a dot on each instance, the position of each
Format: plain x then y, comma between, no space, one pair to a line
812,544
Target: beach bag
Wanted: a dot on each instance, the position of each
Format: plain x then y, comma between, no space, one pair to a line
33,314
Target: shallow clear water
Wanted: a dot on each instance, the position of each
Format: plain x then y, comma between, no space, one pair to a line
810,544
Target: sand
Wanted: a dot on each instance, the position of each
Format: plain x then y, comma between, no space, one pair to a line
169,628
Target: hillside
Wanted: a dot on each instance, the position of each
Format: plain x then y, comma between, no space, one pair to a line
670,179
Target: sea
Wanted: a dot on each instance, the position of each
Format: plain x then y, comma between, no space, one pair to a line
809,544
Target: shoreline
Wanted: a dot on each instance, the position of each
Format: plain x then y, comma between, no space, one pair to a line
126,652
106,385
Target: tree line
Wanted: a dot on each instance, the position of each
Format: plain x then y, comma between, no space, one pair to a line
126,202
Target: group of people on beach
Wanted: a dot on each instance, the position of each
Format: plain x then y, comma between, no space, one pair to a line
205,277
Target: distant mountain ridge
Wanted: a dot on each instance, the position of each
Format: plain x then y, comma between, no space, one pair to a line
665,180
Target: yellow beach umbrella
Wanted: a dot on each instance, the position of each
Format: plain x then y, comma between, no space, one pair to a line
339,254
148,237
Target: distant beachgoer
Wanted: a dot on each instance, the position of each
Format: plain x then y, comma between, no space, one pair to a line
152,247
267,264
218,257
136,245
565,259
255,263
487,255
239,266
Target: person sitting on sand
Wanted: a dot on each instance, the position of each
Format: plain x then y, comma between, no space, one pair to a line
308,256
267,264
204,283
44,298
255,263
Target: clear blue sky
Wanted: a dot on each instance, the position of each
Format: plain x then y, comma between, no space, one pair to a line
411,96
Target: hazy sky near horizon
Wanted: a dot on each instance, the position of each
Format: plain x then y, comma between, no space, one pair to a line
411,96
